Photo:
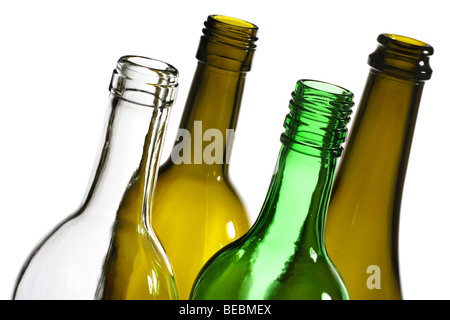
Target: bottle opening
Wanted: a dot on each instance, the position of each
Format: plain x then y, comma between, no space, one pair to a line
234,21
406,40
402,57
231,31
145,81
227,43
324,86
150,71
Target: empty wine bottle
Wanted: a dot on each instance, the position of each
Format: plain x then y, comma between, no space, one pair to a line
107,248
197,210
283,255
363,219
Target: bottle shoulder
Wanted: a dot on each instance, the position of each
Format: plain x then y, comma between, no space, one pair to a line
244,271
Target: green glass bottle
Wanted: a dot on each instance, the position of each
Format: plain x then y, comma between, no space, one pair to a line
283,255
363,218
196,209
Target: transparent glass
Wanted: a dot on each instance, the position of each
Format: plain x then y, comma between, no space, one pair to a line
363,218
197,210
283,255
107,249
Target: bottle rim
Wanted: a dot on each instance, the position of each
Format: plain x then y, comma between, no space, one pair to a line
405,42
402,57
231,31
235,22
144,81
152,71
227,43
325,87
327,98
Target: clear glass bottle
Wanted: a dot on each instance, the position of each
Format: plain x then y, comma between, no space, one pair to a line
363,218
107,249
197,210
283,255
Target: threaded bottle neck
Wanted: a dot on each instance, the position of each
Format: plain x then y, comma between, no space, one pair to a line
317,122
228,43
402,57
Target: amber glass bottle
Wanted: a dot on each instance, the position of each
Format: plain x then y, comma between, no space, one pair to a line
196,209
363,218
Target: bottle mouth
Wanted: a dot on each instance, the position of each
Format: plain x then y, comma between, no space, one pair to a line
318,118
404,40
231,31
145,81
324,87
233,21
227,43
407,43
402,56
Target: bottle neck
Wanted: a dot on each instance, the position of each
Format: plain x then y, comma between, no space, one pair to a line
297,200
294,210
380,141
381,137
208,124
129,155
143,91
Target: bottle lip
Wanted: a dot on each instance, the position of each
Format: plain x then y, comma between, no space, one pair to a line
227,43
145,81
324,87
148,70
329,98
405,42
231,31
402,57
235,22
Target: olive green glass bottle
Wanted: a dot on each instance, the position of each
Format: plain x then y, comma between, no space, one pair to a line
283,255
197,210
363,219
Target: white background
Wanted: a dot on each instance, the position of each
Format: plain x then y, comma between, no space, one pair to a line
56,62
